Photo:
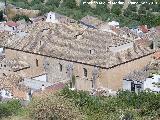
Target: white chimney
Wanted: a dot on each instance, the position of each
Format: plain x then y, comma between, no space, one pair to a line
146,26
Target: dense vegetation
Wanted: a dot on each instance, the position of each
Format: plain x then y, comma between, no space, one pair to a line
21,17
1,16
9,108
126,105
71,105
131,17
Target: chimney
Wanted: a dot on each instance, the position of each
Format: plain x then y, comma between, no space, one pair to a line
43,88
146,27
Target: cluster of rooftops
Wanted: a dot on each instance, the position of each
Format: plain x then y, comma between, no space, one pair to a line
76,44
94,46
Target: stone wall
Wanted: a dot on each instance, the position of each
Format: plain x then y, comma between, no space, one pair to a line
108,78
12,11
113,78
56,69
34,70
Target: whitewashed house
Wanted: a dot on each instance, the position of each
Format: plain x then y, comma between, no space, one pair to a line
149,83
114,24
5,94
52,17
9,26
58,18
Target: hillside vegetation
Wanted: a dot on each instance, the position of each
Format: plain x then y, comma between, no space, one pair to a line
132,16
79,105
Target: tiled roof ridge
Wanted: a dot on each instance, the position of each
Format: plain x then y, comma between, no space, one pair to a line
61,41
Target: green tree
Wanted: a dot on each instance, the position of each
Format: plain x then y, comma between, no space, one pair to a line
142,10
116,9
9,108
1,16
132,7
101,8
69,4
53,3
20,17
53,107
85,8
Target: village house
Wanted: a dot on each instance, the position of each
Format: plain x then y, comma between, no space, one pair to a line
141,80
9,26
13,86
150,83
146,78
10,87
57,18
61,52
90,22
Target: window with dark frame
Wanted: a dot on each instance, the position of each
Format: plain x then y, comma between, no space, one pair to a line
36,62
85,72
60,67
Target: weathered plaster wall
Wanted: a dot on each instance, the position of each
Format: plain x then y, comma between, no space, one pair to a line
113,78
108,78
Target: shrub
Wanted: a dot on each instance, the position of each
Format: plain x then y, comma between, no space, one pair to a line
53,107
9,108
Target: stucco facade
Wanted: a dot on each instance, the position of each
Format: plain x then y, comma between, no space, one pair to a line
56,70
113,78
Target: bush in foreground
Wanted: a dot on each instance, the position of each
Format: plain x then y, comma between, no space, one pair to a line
53,107
9,108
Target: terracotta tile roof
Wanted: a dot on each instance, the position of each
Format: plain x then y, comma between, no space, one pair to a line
51,89
11,24
90,20
157,55
10,82
144,29
15,65
74,44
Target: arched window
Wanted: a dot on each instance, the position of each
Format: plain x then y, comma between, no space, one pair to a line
85,72
36,62
60,67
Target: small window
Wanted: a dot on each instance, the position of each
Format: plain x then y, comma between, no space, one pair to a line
50,17
7,93
91,51
60,67
36,62
4,65
40,42
3,50
85,72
